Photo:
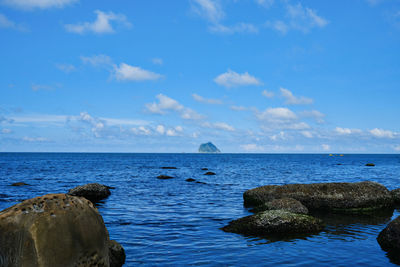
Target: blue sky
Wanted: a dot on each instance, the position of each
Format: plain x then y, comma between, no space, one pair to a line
256,76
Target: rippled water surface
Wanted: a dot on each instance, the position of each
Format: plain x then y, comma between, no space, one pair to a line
175,222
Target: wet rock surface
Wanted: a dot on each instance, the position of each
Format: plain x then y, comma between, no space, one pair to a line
19,184
169,168
275,223
53,230
164,177
287,204
190,180
396,195
116,254
389,238
359,197
93,192
209,173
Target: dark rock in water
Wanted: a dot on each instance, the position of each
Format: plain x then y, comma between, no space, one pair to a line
209,173
396,195
94,192
53,230
208,148
116,254
389,238
169,168
190,180
343,197
204,169
287,204
19,184
198,182
370,164
164,177
275,222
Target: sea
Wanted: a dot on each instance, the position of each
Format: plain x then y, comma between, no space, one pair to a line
177,223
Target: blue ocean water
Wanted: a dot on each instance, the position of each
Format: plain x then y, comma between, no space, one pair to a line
175,222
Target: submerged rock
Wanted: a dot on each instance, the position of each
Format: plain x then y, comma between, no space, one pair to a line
287,204
208,148
275,222
169,168
94,192
389,238
204,169
19,184
164,177
209,173
344,197
190,180
370,165
53,230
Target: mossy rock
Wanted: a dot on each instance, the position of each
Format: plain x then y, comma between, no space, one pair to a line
287,204
389,238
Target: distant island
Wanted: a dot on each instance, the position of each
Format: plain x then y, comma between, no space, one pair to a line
208,148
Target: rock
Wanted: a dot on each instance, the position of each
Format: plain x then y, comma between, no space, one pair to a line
93,192
287,204
190,180
275,222
396,195
53,230
204,169
197,182
208,148
344,197
389,238
209,173
164,177
116,254
19,184
169,168
370,164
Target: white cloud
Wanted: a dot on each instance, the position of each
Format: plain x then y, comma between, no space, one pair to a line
219,126
157,61
102,24
42,4
317,115
307,134
97,60
267,94
251,147
34,139
237,28
127,72
278,25
6,131
347,131
201,99
233,79
166,104
380,133
265,3
174,132
6,23
293,100
396,148
67,68
277,115
280,136
238,108
211,10
38,87
325,147
160,129
141,130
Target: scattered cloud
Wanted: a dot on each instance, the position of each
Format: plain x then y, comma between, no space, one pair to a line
396,148
267,94
141,130
67,68
125,72
277,115
41,4
201,99
347,131
307,134
6,23
6,120
265,3
325,147
238,108
35,139
231,79
40,87
315,114
251,147
298,18
97,60
6,131
157,61
102,24
219,126
166,104
280,136
293,100
380,133
210,10
237,28
374,2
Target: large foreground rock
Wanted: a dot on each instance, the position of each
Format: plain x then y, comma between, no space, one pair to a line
396,195
349,197
287,204
389,238
54,230
94,192
275,222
